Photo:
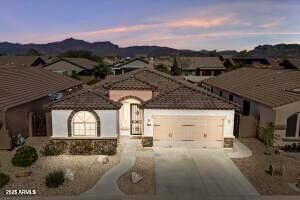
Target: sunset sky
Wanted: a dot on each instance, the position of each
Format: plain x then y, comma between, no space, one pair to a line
188,24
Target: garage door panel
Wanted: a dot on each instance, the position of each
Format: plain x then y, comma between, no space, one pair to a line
206,130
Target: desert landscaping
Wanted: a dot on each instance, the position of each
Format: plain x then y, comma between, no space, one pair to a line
81,171
255,169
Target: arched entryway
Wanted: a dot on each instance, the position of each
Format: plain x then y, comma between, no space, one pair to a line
130,116
293,126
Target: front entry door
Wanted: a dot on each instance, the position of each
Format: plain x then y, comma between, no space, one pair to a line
136,119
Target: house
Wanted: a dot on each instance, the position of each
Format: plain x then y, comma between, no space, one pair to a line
25,61
236,62
129,65
196,69
23,93
148,104
292,63
68,66
266,95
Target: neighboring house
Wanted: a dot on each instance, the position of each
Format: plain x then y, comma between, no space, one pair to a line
265,94
235,62
167,61
196,69
25,61
67,66
23,93
291,63
129,65
149,104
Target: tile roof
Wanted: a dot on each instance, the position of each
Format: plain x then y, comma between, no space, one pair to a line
200,62
19,85
25,61
185,97
85,99
80,62
131,83
270,87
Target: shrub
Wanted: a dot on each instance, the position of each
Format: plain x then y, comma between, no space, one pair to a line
88,147
54,148
4,179
55,179
25,156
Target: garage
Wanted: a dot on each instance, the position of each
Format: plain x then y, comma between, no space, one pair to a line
205,130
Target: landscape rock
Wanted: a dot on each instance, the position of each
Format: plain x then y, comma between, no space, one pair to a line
69,175
135,177
23,174
100,159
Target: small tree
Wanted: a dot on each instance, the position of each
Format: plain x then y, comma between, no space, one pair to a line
175,70
74,75
162,68
267,134
101,71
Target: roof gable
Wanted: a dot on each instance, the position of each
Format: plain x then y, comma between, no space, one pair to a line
85,100
189,63
82,63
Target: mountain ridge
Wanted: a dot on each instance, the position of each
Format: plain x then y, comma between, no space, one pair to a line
107,48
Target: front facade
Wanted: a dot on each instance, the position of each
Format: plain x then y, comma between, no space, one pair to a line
264,95
146,103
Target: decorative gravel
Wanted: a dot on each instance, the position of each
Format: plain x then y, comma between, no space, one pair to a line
87,171
254,168
144,166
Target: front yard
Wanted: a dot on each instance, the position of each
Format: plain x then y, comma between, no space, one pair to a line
254,168
87,170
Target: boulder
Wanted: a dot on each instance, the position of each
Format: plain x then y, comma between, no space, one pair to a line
135,177
69,175
23,174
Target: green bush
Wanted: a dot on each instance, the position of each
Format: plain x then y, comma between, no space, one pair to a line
4,179
25,156
147,141
55,179
54,148
90,147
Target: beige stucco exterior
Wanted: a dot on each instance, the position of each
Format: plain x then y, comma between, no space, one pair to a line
116,95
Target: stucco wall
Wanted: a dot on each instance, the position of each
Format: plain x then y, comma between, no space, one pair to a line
62,66
108,121
116,95
227,114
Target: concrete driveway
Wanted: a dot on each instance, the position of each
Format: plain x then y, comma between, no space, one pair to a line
200,173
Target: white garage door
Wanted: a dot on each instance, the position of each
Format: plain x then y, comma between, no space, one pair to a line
207,131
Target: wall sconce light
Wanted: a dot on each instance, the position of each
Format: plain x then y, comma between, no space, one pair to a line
229,121
148,122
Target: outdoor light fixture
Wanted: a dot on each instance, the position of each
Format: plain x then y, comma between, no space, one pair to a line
148,122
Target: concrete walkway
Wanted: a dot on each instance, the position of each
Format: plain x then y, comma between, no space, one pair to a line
107,185
239,150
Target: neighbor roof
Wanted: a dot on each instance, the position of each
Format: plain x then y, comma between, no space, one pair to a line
295,62
270,87
85,99
126,62
172,93
80,62
19,85
130,83
18,60
199,62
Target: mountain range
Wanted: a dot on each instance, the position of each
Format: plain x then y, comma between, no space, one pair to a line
110,49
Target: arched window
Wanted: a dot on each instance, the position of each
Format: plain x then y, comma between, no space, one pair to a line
84,123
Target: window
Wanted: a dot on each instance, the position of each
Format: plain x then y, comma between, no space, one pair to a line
293,123
220,93
246,108
84,124
230,97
